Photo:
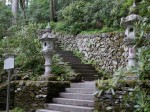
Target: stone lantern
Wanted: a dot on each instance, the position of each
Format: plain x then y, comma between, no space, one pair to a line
128,24
48,40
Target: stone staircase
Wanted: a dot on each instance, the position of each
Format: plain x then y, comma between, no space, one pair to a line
87,71
78,98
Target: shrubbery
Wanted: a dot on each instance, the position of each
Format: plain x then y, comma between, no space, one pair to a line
75,16
82,15
62,70
96,15
39,11
24,43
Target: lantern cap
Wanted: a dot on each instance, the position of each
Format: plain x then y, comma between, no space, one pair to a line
130,20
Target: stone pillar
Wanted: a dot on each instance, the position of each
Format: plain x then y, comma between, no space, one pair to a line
132,62
48,63
48,41
128,23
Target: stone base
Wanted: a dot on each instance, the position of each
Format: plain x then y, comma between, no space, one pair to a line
49,77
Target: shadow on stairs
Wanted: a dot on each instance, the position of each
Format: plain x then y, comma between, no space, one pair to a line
87,71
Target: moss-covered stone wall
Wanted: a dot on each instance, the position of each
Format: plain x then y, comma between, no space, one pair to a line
32,95
123,99
3,95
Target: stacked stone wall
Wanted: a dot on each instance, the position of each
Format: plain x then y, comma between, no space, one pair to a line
3,95
107,50
31,95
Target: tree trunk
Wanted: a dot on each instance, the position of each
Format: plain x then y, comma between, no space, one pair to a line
23,7
14,9
53,10
27,3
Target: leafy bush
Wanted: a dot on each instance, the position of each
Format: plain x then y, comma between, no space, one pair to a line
39,11
73,17
142,100
25,45
143,9
17,110
142,42
84,15
143,68
62,70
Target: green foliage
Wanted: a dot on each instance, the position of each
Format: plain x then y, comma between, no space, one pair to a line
57,68
17,110
143,67
111,84
98,14
58,27
103,30
78,54
143,9
139,100
39,11
73,17
124,9
5,19
142,101
63,3
61,69
25,45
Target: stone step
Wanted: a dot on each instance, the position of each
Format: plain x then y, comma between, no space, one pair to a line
68,55
77,96
45,110
89,74
88,85
71,60
90,78
86,71
65,52
75,61
69,108
75,102
87,65
80,90
82,67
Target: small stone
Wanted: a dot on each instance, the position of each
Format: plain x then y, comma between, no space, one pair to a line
109,108
18,89
115,62
102,49
41,96
21,83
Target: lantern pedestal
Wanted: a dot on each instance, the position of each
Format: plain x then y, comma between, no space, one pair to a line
48,61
